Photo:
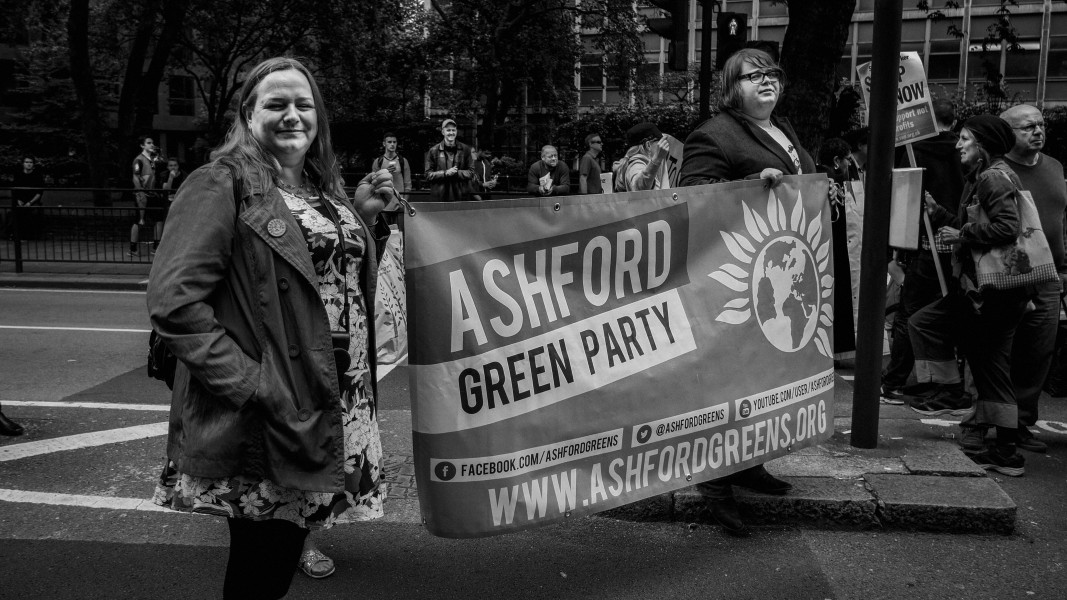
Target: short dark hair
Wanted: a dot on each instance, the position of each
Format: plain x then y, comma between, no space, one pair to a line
27,157
589,138
831,149
389,134
944,112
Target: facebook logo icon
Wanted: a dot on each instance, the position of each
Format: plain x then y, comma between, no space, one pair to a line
445,471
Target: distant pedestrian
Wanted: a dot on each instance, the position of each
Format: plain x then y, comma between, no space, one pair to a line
834,161
484,180
448,167
30,178
144,181
549,176
172,180
397,166
589,168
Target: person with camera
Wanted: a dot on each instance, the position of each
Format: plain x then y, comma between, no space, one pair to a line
264,291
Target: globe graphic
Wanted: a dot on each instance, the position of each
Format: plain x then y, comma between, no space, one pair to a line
786,293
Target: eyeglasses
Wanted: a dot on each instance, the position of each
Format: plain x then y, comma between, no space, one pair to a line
1031,127
596,142
758,77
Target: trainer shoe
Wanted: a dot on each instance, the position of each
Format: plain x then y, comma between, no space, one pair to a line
1028,441
996,459
972,439
892,396
949,400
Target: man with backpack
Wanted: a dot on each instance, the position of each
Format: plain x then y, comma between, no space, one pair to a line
394,163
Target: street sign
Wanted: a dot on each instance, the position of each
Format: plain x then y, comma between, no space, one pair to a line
915,109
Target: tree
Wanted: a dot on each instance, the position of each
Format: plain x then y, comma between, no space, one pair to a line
500,50
814,42
142,33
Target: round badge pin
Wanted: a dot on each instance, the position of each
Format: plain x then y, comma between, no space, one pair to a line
276,227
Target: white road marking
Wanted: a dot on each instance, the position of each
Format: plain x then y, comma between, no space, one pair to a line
115,405
847,377
81,440
384,370
79,500
59,291
100,329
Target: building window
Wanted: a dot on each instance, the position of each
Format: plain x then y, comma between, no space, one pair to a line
182,101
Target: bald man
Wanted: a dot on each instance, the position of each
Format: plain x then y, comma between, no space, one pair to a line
549,176
1035,337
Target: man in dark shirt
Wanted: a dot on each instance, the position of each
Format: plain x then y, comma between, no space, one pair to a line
589,167
30,178
549,176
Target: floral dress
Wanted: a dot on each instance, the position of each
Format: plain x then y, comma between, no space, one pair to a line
258,498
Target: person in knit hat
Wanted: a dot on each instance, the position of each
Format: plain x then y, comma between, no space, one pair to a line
982,321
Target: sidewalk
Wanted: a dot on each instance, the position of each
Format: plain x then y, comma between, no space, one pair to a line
917,477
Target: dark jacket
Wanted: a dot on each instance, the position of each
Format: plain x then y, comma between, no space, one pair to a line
255,392
449,188
994,191
728,147
561,178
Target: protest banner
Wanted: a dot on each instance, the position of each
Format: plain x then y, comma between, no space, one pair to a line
904,208
915,109
390,302
572,355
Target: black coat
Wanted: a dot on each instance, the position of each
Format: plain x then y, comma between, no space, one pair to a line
729,147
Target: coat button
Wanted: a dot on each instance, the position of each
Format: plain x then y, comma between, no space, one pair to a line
294,351
276,227
304,414
283,284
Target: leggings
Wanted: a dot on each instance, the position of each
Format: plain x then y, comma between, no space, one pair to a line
263,558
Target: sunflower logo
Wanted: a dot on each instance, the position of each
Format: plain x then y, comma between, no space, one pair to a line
782,277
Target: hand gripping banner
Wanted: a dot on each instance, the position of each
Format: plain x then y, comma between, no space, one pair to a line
571,355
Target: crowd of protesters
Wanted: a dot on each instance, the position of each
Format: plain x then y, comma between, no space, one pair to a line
980,354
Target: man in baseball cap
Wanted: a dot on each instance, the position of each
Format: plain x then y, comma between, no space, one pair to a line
448,167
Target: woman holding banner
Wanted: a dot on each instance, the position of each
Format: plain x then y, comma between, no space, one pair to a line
744,141
263,289
983,321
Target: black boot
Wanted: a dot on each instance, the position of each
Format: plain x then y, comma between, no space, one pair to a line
9,427
725,513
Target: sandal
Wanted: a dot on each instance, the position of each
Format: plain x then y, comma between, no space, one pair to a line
315,564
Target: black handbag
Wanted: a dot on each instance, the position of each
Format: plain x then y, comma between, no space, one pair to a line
162,363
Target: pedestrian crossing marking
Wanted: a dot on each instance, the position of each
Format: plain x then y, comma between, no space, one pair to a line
56,499
81,440
114,405
97,329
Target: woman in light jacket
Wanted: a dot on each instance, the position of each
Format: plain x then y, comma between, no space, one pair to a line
251,289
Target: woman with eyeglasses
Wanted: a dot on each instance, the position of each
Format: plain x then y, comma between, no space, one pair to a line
744,141
263,287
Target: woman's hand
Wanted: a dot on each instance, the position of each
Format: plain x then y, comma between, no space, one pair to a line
372,194
772,177
949,235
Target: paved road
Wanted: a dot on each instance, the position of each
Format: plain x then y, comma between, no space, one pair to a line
76,453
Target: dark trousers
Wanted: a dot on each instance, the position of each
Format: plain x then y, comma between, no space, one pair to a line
263,558
921,287
1031,352
986,338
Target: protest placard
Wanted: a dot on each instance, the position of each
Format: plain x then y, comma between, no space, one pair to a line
915,109
572,355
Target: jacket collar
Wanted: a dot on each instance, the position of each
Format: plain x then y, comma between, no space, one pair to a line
290,243
765,138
